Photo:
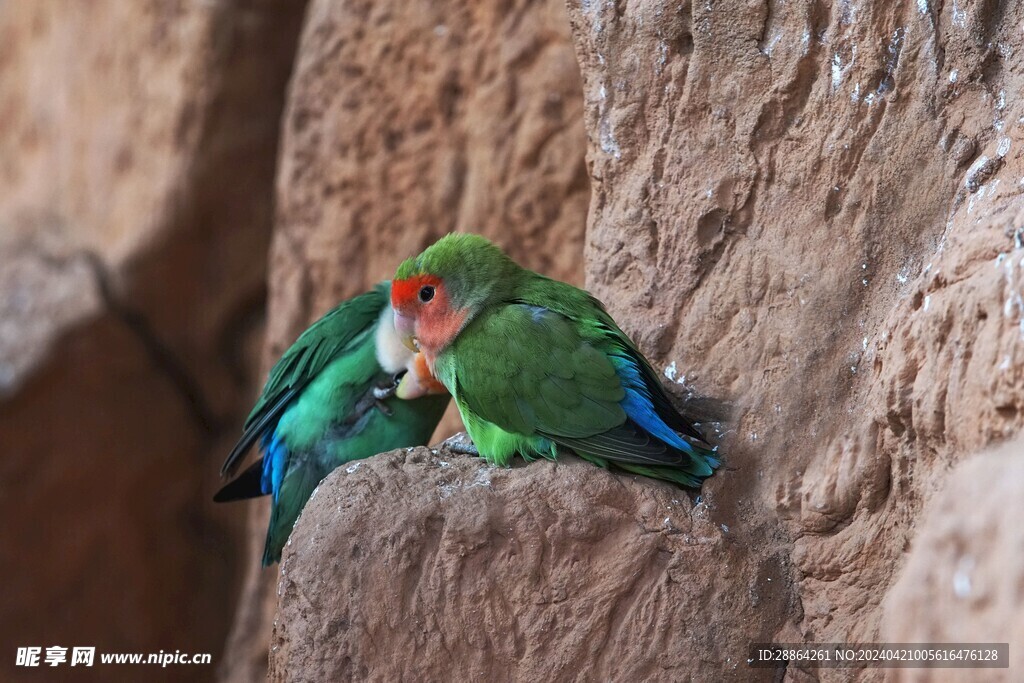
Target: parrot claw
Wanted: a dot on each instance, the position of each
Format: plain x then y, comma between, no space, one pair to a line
382,393
460,444
383,408
386,392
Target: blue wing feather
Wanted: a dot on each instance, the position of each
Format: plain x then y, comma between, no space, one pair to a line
639,406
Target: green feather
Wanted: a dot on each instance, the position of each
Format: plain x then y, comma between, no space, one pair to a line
348,325
364,431
320,404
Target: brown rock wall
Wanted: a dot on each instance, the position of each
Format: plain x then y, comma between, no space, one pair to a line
963,579
407,121
541,572
136,171
812,209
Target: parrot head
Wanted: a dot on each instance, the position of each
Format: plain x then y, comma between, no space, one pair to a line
408,367
436,294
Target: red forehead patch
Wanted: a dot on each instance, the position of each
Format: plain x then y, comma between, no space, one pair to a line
406,292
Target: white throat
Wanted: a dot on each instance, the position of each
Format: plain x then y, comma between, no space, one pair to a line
392,354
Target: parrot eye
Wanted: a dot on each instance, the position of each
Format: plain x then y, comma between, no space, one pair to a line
426,293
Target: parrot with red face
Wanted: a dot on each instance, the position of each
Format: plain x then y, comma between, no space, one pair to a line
329,400
536,365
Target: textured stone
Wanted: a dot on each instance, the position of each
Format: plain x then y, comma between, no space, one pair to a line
420,565
963,580
811,210
814,210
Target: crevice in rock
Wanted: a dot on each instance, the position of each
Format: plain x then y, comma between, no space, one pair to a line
164,360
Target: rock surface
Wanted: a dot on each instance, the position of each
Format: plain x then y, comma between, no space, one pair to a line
963,580
135,214
406,121
815,210
420,565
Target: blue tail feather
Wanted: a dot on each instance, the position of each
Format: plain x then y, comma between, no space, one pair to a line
275,460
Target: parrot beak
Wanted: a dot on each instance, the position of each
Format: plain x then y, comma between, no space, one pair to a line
418,381
405,326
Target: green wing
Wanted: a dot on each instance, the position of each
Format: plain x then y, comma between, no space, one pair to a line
548,380
326,339
598,327
526,370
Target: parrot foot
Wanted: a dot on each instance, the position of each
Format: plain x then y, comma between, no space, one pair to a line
384,408
383,393
386,392
461,444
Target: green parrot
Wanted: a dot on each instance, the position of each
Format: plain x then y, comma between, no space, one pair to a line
329,400
536,365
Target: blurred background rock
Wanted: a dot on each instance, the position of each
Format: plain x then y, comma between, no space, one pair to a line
137,164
